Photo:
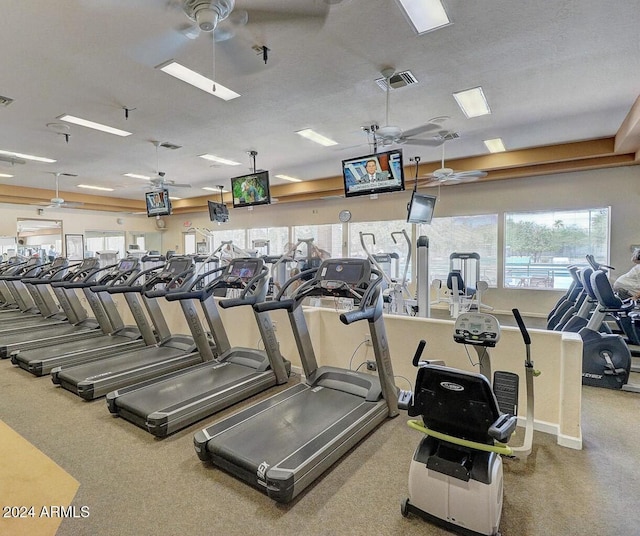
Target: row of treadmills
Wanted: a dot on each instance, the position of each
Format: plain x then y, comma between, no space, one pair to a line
164,382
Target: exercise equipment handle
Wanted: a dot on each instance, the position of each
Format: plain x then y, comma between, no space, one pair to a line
418,354
523,328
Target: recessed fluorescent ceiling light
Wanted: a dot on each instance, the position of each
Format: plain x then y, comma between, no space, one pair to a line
425,15
207,85
472,102
174,198
5,176
495,145
91,124
287,178
89,187
136,176
219,160
318,138
210,189
28,157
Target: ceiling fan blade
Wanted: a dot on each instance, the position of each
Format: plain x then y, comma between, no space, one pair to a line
314,12
475,174
430,142
427,127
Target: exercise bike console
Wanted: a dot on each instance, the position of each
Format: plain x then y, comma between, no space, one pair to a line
477,329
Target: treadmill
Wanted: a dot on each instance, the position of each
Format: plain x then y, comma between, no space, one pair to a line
16,299
283,443
35,303
77,326
171,402
172,352
120,338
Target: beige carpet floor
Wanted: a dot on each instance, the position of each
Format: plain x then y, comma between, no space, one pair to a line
134,484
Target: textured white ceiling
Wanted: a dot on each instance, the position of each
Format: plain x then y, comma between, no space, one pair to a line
552,72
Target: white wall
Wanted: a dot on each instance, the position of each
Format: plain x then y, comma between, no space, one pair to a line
75,221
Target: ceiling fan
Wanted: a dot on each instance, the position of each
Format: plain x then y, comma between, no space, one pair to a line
446,176
390,134
223,19
57,201
160,182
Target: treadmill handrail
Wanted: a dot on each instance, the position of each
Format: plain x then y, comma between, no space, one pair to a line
148,286
370,307
274,305
130,287
82,279
290,281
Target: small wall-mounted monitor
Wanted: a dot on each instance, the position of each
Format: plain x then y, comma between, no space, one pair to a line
420,208
373,174
158,203
251,190
218,212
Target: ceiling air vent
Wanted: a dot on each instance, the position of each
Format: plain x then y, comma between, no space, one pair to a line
5,101
398,80
168,145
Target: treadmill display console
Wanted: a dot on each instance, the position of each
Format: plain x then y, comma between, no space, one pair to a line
245,269
350,271
477,328
127,265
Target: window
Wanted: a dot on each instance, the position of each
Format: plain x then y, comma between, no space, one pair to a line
278,238
237,236
100,241
540,245
384,243
462,234
327,237
7,246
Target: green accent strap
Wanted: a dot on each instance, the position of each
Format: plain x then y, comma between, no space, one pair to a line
500,448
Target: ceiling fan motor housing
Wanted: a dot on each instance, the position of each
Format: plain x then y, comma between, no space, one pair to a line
208,13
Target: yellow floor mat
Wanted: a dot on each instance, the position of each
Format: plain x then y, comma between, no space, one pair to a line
35,492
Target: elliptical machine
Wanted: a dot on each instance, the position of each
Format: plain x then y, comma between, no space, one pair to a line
456,475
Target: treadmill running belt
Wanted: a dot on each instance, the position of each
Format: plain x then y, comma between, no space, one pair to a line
291,424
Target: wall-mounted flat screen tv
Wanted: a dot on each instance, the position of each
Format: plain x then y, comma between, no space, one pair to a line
373,174
218,212
158,203
420,208
250,190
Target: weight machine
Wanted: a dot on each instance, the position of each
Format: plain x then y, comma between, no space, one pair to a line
461,297
398,299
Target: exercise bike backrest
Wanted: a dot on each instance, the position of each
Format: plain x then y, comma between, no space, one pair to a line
607,298
459,404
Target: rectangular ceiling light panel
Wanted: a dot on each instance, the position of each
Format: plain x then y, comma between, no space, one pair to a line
11,154
95,126
472,102
288,178
495,145
219,160
90,187
207,85
425,15
315,137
